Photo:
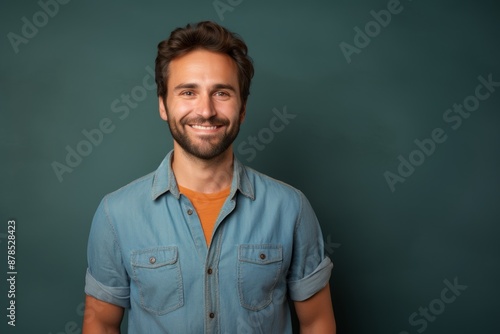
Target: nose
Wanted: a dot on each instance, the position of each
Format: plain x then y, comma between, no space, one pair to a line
206,107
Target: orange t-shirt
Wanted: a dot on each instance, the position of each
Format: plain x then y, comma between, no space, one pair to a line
207,207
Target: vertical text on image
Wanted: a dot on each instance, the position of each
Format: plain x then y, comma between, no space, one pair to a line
11,272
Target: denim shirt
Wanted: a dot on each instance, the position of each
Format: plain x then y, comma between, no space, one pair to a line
147,253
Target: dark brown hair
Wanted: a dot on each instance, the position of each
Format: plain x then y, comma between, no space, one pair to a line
203,35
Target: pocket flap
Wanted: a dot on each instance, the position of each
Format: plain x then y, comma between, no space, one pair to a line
154,257
260,254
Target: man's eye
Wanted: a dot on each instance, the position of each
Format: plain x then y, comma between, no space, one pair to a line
222,94
187,93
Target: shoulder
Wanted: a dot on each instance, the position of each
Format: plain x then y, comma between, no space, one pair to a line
270,186
133,192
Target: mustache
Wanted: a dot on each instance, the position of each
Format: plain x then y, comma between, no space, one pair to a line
205,121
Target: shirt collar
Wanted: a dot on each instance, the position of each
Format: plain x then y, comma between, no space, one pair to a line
164,180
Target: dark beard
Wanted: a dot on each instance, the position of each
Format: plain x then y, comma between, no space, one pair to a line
210,150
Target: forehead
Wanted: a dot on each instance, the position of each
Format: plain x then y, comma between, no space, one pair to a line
203,66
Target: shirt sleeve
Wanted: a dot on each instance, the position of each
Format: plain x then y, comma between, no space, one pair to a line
106,278
310,269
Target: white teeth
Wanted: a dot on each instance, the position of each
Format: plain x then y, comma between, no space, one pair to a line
201,127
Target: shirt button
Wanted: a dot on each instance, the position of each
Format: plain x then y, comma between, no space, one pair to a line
262,256
190,212
211,315
152,260
209,271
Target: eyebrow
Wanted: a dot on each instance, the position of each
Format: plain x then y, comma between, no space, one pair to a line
225,86
194,85
185,85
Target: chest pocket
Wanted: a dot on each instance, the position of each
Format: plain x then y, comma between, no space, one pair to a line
259,267
157,274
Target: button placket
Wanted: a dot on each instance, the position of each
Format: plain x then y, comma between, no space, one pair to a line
212,283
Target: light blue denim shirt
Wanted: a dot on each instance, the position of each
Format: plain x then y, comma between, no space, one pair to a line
147,252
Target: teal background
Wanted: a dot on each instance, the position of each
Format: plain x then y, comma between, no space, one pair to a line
392,250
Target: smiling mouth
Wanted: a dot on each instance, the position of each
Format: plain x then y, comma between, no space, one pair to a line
204,127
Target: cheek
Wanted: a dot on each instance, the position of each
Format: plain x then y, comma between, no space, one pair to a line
230,110
179,108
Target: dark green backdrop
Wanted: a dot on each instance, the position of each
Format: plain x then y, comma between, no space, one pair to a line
357,103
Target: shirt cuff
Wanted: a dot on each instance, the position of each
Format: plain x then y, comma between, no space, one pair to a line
306,287
114,295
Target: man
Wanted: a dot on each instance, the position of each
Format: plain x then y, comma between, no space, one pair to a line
205,244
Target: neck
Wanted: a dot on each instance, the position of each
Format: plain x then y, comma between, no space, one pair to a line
205,176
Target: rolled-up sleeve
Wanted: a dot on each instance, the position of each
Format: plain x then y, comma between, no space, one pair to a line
106,278
310,269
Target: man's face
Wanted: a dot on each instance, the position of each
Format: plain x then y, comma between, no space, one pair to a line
203,106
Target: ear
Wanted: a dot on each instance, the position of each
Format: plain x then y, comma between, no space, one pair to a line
162,108
243,113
